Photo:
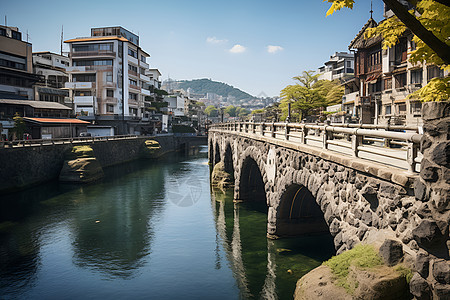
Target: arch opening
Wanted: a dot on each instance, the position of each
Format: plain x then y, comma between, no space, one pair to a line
228,162
211,151
216,154
299,213
251,184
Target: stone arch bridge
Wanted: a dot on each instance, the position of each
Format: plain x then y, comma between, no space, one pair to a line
359,184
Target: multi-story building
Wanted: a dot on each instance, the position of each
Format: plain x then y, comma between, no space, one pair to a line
383,80
16,65
52,69
339,66
109,77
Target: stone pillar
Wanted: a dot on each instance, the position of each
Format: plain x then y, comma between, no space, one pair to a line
432,189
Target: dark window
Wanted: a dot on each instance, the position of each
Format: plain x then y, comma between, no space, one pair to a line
388,83
143,58
83,77
416,76
16,35
132,68
109,108
83,93
106,47
401,51
433,71
416,107
132,82
400,80
388,110
132,96
132,53
100,62
109,93
109,77
2,32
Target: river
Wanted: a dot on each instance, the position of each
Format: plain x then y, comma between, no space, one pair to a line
149,229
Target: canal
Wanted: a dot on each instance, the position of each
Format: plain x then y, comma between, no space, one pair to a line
147,230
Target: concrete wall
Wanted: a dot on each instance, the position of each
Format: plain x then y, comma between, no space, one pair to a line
25,166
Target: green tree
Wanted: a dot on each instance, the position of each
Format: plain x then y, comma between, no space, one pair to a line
211,111
303,96
19,126
231,110
430,24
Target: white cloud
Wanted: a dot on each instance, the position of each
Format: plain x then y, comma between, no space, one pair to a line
238,49
214,40
274,49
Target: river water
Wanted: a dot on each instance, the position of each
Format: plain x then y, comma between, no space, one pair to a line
147,230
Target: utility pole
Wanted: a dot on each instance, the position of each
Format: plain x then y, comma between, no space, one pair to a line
62,34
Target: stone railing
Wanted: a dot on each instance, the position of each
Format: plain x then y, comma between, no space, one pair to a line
394,148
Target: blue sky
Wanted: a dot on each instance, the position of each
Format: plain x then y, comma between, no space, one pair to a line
226,41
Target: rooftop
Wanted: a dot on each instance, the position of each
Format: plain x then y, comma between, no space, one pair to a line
35,104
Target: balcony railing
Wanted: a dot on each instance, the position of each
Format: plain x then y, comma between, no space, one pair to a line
93,53
392,148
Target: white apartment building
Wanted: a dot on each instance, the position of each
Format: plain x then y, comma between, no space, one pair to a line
340,65
109,76
176,105
52,69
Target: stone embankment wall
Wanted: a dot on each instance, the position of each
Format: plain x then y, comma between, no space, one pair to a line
25,166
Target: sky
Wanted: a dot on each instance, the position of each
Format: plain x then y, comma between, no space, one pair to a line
254,45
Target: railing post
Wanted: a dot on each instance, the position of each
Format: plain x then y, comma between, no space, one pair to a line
324,138
411,156
286,131
253,128
262,128
273,129
356,141
303,134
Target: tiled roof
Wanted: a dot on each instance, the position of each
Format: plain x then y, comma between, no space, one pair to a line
51,120
357,42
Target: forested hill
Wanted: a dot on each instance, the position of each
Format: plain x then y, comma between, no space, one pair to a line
203,86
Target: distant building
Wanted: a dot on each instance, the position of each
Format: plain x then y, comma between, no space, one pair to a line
52,69
339,66
16,65
109,78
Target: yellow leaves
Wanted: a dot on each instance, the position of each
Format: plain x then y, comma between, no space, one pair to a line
338,4
390,30
438,89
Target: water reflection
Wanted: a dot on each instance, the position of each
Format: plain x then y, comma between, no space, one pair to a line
264,268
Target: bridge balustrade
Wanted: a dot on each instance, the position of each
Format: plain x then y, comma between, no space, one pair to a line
366,141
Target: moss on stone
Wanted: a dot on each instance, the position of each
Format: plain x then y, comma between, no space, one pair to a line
151,148
82,151
405,272
361,256
220,178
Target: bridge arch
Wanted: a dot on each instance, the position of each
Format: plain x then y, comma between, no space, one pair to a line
228,161
211,151
251,183
216,153
298,213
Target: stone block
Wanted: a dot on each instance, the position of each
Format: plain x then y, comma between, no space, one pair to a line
441,154
435,110
425,143
419,287
335,227
392,252
441,271
442,291
420,190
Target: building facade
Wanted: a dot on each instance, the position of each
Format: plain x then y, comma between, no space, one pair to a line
16,65
52,69
109,79
339,66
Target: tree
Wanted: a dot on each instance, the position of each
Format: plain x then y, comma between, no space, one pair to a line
230,110
19,126
308,95
431,27
211,111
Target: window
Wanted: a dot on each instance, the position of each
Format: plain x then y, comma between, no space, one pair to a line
401,51
433,71
83,77
109,76
388,83
413,45
388,109
2,32
16,35
109,93
143,58
400,80
132,82
376,87
132,53
416,108
109,108
132,96
132,68
83,93
349,64
133,111
101,62
142,70
416,76
105,47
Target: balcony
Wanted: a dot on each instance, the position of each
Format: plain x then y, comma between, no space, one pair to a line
350,98
144,64
145,78
135,87
107,84
145,92
133,73
82,69
110,100
84,100
79,85
93,53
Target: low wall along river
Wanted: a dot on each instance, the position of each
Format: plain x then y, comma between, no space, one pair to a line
30,165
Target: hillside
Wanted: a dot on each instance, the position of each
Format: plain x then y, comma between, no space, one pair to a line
203,86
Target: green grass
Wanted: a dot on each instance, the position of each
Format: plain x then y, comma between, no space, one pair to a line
405,272
361,256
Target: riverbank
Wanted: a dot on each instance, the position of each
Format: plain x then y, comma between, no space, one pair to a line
21,167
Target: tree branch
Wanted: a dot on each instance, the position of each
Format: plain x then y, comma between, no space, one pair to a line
441,48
